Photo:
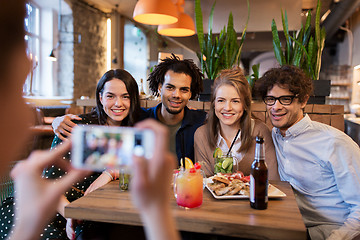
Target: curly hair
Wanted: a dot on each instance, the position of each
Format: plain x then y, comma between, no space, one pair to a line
233,77
186,66
290,76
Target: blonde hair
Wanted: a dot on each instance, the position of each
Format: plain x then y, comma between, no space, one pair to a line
235,78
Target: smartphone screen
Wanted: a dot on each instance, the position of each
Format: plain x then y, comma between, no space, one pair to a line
102,147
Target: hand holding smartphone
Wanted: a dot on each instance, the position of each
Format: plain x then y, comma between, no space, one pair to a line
98,147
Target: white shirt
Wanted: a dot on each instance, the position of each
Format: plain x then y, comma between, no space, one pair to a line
322,164
238,156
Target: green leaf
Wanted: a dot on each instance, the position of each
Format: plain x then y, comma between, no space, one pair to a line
199,25
317,23
211,17
277,44
319,52
287,38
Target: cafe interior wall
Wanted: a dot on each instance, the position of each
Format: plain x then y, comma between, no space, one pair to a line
348,53
64,81
90,54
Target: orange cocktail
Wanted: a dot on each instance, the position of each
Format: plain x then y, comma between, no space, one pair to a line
189,188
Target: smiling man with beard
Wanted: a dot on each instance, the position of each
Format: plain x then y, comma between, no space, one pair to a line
176,82
321,163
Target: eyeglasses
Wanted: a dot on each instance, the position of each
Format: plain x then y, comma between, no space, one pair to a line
284,100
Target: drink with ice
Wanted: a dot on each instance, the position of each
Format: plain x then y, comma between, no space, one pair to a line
188,188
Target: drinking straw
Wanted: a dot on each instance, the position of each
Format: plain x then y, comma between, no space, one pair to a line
182,145
232,144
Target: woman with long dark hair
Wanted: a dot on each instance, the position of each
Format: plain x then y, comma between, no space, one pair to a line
117,104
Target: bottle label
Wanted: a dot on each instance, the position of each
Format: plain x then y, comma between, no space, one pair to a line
267,191
252,188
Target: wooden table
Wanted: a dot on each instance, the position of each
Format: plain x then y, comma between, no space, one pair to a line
282,219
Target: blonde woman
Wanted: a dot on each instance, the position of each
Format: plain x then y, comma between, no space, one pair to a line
230,113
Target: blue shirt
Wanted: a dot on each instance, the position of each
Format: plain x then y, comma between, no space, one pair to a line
191,121
322,164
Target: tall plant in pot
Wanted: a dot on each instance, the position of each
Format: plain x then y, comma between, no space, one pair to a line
217,52
303,48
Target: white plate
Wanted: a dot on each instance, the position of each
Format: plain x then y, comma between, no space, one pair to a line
273,192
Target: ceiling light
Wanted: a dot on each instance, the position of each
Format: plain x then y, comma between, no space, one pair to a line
183,28
155,12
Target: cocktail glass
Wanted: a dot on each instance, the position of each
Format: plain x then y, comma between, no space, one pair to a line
224,164
124,179
188,188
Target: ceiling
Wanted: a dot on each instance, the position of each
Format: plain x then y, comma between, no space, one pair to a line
126,7
261,11
259,38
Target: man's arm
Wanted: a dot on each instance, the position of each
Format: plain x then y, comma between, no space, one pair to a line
347,160
63,126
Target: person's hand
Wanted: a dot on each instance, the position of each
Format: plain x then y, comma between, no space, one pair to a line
150,185
64,125
99,182
36,198
70,227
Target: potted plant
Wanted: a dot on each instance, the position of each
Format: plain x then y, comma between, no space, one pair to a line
303,49
217,52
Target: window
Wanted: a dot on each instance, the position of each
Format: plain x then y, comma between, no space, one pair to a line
32,38
136,53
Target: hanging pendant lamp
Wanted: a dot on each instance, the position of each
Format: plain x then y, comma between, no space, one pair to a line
155,12
182,28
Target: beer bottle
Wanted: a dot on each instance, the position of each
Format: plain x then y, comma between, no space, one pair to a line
259,177
142,87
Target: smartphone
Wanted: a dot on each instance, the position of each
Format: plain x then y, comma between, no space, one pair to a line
98,147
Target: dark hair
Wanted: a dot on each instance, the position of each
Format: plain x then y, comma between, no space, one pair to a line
289,76
131,87
235,78
12,14
186,66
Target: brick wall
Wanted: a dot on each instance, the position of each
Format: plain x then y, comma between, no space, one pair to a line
90,54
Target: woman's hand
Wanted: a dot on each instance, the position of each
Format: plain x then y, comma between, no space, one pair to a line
99,182
36,198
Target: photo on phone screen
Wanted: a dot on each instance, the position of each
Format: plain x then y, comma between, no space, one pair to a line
102,147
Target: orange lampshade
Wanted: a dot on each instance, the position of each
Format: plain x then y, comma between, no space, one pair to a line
155,12
183,28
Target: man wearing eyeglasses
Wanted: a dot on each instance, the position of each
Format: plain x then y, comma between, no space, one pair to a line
321,163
